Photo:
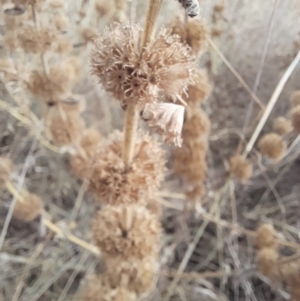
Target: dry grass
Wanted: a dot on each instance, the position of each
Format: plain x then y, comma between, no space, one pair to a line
208,254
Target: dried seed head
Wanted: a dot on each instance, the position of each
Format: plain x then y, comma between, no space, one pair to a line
136,275
265,236
240,167
57,85
112,184
192,32
66,129
272,146
104,8
61,23
197,34
121,5
282,126
200,90
90,142
6,168
98,288
295,98
296,118
291,274
267,262
129,231
189,160
166,119
166,66
88,34
28,208
62,45
36,42
196,123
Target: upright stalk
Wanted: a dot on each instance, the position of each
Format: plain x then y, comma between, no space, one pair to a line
131,118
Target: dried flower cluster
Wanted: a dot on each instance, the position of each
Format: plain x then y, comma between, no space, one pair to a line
110,184
193,32
282,126
190,159
240,167
272,265
273,146
165,67
28,207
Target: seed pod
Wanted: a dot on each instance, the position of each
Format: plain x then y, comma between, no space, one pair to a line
191,7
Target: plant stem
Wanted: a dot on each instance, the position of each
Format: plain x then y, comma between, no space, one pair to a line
131,118
153,9
130,127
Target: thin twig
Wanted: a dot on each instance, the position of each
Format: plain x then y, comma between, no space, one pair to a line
235,73
272,103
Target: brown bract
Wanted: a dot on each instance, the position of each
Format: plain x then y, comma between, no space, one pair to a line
240,167
166,66
6,168
265,236
282,126
110,182
128,231
272,145
98,288
28,208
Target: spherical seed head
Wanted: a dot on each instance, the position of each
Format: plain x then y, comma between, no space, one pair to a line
240,167
129,231
88,34
104,8
196,123
98,288
137,275
36,42
265,236
295,98
6,168
197,34
66,129
28,208
200,90
296,118
267,263
61,22
113,185
55,86
273,146
193,32
190,160
166,66
282,126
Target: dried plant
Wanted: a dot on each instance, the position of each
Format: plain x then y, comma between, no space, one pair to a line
240,167
273,146
282,126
